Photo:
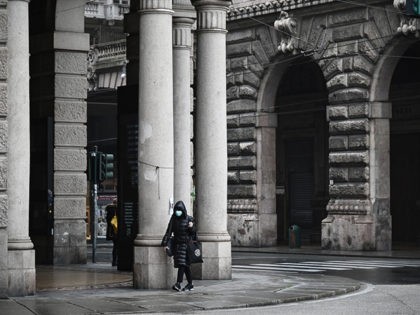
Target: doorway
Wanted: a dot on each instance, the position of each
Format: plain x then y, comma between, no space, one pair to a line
405,149
301,151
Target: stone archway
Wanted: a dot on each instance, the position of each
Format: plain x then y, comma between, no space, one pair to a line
297,191
394,88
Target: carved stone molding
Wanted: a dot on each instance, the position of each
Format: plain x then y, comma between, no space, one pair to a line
286,26
244,10
349,206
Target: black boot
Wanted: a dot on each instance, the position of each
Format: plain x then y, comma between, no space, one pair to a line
177,286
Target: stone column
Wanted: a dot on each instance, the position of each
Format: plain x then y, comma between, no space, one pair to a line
152,269
4,272
21,255
182,41
211,140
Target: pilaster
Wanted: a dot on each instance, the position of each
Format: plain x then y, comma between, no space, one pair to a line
152,269
380,186
70,140
21,255
3,149
211,140
358,210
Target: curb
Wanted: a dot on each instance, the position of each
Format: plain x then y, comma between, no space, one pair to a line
282,252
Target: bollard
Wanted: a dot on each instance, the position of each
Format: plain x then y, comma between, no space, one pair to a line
294,236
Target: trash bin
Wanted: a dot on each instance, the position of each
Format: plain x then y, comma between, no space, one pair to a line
294,236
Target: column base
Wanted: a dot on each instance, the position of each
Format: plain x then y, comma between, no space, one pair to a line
217,265
3,263
356,232
383,232
70,242
152,269
21,272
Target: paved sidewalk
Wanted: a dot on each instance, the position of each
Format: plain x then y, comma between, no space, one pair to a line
116,296
101,289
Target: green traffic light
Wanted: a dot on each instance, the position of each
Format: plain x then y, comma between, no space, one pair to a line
106,166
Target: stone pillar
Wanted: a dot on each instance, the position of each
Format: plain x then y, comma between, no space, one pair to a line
266,125
152,268
21,255
182,41
359,208
211,140
3,151
380,186
71,45
70,140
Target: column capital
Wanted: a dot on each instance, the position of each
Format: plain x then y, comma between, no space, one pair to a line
181,30
155,6
181,34
211,15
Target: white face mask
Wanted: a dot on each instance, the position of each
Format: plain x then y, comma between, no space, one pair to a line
178,213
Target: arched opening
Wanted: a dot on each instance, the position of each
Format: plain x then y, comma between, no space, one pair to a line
301,150
405,148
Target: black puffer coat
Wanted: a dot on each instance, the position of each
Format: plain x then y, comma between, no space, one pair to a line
182,234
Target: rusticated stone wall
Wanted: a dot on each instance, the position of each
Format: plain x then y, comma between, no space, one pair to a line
70,140
3,149
347,44
251,190
359,213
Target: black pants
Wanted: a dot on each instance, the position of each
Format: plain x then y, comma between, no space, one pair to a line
181,271
114,252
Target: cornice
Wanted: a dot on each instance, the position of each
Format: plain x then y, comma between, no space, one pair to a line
256,8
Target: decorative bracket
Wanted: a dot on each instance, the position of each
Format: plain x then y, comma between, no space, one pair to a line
286,25
92,57
408,24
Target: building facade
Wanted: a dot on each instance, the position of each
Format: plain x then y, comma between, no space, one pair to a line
305,113
322,123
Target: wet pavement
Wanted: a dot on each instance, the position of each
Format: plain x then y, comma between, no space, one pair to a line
80,276
101,289
109,292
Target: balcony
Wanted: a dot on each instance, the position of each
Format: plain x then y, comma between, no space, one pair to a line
107,10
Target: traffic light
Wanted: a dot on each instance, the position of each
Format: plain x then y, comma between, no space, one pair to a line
106,166
92,169
412,7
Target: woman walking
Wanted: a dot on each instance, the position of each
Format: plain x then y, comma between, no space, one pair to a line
181,225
